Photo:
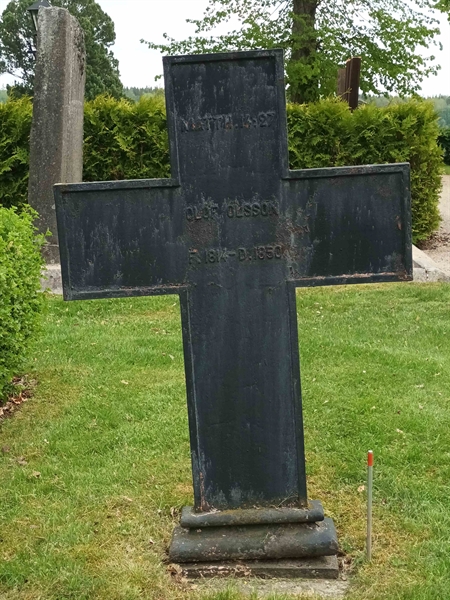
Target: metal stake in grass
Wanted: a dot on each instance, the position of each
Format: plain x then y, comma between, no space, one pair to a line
369,503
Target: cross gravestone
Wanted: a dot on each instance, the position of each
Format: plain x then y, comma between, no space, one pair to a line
233,233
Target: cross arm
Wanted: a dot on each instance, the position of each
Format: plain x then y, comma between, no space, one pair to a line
348,225
121,238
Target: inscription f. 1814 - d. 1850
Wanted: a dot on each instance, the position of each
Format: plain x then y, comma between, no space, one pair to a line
233,233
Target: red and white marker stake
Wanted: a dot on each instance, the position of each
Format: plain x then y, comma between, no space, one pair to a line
369,503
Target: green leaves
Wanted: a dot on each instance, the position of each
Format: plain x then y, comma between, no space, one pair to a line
21,299
16,35
15,125
444,6
125,140
318,37
444,142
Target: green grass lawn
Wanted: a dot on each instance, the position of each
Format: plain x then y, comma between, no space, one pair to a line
95,468
446,169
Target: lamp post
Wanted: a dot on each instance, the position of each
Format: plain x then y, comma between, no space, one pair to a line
34,12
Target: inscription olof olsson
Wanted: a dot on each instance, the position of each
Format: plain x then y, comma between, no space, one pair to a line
227,122
218,255
233,210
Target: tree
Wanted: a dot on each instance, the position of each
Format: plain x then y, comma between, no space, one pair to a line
444,6
16,33
319,35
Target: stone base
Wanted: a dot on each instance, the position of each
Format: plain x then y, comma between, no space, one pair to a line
323,567
425,269
50,252
251,516
51,279
254,542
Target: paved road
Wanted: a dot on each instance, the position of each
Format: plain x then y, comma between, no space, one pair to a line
439,247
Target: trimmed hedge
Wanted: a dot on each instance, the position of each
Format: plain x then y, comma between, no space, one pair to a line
125,140
20,296
328,134
15,126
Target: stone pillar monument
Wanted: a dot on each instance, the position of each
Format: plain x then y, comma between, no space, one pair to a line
56,143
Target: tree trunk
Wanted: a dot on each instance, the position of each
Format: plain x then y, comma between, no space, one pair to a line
302,74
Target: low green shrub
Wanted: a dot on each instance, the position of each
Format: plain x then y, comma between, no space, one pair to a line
327,134
444,142
20,297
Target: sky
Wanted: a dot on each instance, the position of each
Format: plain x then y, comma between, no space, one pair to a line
149,19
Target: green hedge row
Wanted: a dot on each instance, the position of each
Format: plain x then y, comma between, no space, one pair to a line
328,134
21,300
15,125
126,140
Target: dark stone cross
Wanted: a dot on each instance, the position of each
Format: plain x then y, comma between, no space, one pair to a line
233,233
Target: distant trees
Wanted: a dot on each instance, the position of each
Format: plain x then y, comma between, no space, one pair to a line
441,105
134,93
16,32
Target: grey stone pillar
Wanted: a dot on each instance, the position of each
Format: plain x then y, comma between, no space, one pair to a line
56,143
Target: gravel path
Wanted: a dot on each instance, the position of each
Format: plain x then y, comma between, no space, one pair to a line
438,247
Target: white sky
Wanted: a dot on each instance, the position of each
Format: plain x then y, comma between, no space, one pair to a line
149,19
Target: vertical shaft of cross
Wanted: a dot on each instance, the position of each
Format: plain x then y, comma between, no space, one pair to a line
245,409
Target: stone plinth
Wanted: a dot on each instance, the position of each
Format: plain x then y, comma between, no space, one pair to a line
262,542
